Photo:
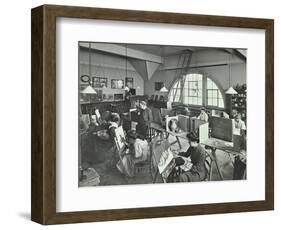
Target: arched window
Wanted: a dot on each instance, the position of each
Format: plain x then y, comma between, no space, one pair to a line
196,89
214,96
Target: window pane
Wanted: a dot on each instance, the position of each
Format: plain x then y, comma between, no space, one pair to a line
190,77
214,96
193,93
193,101
221,104
220,96
208,84
191,85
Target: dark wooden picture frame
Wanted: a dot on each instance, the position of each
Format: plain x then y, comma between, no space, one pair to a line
114,84
43,189
130,81
99,82
158,85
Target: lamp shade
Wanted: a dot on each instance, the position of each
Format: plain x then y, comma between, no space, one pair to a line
164,89
231,91
89,90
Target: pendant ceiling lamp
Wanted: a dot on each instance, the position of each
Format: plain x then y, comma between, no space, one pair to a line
89,90
164,89
231,91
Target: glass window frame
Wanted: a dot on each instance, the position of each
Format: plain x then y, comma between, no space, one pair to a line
184,95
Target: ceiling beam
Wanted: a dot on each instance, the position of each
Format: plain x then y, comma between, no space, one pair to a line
145,68
242,53
202,65
123,51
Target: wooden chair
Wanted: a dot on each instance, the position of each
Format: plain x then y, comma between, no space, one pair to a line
208,166
140,167
144,167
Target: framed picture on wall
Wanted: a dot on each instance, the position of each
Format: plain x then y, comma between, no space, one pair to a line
158,85
118,97
117,84
85,80
62,156
108,97
129,81
99,82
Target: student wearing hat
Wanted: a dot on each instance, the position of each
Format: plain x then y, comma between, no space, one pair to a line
138,151
197,155
203,115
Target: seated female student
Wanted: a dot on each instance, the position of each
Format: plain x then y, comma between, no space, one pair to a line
138,151
104,142
108,133
238,123
203,115
197,155
113,123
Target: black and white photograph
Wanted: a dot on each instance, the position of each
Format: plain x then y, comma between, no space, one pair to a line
161,114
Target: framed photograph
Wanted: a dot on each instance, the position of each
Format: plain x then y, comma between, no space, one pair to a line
117,84
129,82
118,97
158,85
99,82
216,92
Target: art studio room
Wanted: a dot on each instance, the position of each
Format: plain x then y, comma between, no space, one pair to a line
161,114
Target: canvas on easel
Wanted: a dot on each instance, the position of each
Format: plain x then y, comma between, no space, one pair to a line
120,137
184,123
168,120
203,132
222,128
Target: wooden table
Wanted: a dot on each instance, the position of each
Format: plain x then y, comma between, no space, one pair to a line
214,144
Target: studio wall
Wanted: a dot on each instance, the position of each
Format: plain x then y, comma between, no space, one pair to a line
214,63
110,67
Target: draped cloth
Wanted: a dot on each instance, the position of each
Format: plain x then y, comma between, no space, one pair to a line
138,153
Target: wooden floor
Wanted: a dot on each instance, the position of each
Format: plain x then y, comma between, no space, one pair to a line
109,175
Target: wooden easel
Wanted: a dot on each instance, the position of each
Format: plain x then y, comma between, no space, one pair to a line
120,147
